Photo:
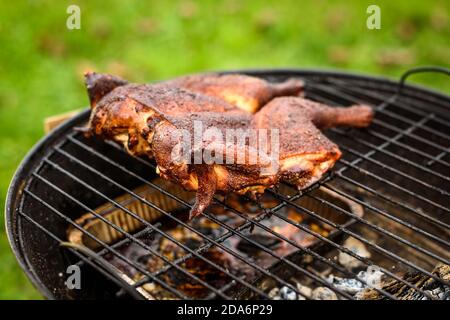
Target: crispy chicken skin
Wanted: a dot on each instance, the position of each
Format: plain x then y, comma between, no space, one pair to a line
98,85
150,119
128,113
246,92
216,175
305,154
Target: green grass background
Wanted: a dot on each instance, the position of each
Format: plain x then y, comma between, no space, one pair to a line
41,62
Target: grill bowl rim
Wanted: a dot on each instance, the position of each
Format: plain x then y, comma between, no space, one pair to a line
33,157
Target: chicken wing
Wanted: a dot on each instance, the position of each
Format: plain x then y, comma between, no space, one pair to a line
246,92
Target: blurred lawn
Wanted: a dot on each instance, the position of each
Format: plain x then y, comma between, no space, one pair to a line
41,62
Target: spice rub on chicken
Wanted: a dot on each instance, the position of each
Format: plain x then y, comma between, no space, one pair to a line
305,154
153,120
246,92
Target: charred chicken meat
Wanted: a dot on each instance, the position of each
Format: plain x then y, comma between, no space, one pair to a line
245,92
178,122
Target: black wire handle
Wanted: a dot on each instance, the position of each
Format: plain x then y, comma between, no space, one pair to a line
409,72
415,70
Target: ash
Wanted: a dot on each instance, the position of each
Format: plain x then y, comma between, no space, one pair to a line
440,293
372,277
365,285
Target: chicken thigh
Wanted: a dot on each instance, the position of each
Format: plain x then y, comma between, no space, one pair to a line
246,92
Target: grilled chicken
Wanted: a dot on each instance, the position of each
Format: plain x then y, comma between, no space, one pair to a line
211,164
246,92
129,114
154,120
305,154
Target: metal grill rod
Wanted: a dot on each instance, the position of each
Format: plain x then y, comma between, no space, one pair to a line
423,126
248,223
392,128
376,93
232,209
353,99
400,132
394,236
202,248
304,271
145,162
392,140
180,200
413,150
99,267
341,248
226,287
422,69
410,134
437,158
150,165
345,230
314,276
382,196
390,234
350,165
306,250
126,234
122,242
380,148
359,168
116,253
401,173
172,217
143,245
341,86
393,184
374,149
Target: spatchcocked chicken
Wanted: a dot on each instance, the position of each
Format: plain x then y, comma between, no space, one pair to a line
272,132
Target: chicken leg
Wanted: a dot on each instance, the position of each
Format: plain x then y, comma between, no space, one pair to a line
305,154
245,92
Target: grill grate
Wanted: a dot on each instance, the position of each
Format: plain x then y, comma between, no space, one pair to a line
397,170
